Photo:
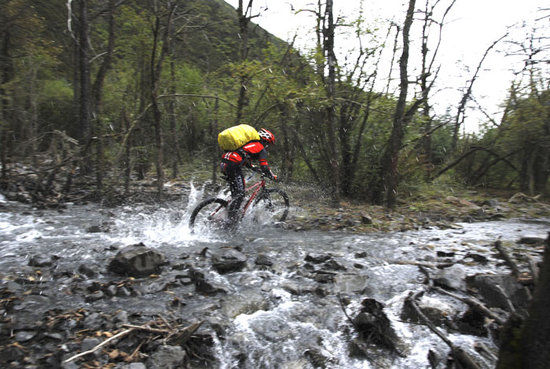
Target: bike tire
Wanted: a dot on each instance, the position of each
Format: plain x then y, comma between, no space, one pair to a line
270,196
202,209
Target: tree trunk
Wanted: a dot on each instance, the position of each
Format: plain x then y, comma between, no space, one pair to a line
97,94
531,349
215,147
390,174
85,125
157,115
331,109
126,161
156,72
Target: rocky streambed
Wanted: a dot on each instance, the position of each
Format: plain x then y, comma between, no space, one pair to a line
265,297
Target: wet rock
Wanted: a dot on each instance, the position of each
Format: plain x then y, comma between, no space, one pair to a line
333,265
472,322
374,327
246,303
263,259
205,284
451,278
94,229
166,357
93,321
318,360
324,277
510,289
137,261
89,343
179,266
87,271
92,286
54,336
228,260
478,258
121,317
133,366
34,303
40,261
317,258
439,315
434,358
24,336
123,292
299,287
530,240
111,290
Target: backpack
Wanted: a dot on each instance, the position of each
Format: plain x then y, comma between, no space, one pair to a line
235,137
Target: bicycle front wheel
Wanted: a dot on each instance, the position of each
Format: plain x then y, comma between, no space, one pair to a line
209,213
275,203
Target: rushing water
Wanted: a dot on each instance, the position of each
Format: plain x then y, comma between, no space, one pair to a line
272,317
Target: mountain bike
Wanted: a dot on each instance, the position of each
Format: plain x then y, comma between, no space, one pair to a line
271,204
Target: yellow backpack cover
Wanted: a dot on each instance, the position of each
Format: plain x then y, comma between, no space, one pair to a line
232,138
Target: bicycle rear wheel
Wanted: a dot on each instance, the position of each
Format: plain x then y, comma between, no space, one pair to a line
275,203
209,213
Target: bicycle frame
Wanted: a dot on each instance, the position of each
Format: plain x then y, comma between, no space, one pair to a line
255,188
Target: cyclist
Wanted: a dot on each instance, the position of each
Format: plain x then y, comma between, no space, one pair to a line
231,167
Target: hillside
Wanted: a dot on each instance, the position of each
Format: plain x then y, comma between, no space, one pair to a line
216,40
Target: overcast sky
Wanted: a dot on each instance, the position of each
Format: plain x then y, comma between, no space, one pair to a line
471,27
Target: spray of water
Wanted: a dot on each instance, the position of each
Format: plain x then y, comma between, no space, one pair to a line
167,224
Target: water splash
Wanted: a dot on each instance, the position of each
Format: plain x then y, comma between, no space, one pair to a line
168,224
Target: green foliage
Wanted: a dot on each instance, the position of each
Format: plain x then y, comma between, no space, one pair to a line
286,93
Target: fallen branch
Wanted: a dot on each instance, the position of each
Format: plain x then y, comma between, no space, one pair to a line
475,304
507,259
534,269
509,304
184,334
94,349
146,328
422,264
460,355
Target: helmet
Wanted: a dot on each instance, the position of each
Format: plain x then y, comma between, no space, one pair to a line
266,136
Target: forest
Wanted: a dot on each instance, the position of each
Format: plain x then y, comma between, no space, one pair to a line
126,90
103,99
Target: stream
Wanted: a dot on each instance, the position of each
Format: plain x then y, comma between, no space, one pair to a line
285,315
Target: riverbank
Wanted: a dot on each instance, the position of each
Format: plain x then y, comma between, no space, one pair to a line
433,206
430,210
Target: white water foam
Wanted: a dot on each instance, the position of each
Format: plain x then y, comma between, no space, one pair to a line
164,225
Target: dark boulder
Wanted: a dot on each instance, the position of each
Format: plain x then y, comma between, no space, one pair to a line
317,258
204,284
87,270
264,260
531,240
137,261
41,261
228,260
374,327
497,289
